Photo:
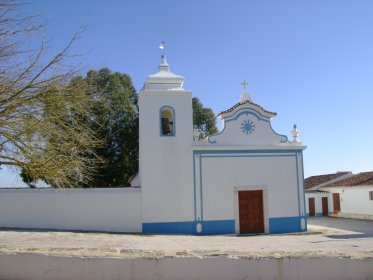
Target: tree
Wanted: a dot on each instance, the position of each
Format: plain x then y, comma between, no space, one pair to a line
203,118
116,122
43,118
114,117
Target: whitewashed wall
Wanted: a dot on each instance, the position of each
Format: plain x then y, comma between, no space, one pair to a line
115,210
355,202
318,202
221,175
166,161
35,266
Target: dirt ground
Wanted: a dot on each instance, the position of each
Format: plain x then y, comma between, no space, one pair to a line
327,237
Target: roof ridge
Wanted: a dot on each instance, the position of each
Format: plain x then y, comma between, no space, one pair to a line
316,181
242,103
360,179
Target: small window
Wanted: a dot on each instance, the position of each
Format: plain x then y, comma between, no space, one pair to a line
167,121
371,195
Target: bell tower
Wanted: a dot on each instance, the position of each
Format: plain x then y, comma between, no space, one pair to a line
165,135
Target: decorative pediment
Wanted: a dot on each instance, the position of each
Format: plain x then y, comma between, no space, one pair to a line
247,124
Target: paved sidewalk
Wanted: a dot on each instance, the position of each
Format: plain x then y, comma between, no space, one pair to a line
327,237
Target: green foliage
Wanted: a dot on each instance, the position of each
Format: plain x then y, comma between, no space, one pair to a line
203,118
26,178
115,120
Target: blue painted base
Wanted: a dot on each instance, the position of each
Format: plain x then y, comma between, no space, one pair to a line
286,225
170,227
208,227
276,225
218,227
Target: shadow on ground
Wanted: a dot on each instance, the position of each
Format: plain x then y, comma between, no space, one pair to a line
356,228
350,236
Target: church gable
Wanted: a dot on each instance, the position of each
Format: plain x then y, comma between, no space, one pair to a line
247,123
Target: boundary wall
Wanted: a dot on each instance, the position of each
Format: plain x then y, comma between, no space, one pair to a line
99,209
34,266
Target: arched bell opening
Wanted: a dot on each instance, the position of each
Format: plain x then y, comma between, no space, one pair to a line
167,121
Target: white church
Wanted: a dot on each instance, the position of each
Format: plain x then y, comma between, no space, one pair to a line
246,179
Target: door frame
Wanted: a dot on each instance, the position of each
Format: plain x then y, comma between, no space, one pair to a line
264,190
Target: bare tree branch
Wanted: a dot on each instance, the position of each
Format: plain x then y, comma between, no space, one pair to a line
44,121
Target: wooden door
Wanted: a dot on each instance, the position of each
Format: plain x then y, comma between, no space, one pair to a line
325,206
336,203
251,213
311,206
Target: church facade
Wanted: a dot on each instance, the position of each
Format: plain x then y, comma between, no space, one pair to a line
246,179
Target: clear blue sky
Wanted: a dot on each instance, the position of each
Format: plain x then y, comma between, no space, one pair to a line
309,61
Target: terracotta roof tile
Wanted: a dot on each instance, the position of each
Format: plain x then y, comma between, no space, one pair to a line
313,181
246,102
361,179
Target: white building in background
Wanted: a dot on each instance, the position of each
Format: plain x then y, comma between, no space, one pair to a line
246,179
342,194
318,201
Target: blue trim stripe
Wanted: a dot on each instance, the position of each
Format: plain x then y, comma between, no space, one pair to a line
245,151
238,156
247,111
285,224
200,185
194,187
232,153
302,185
297,170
